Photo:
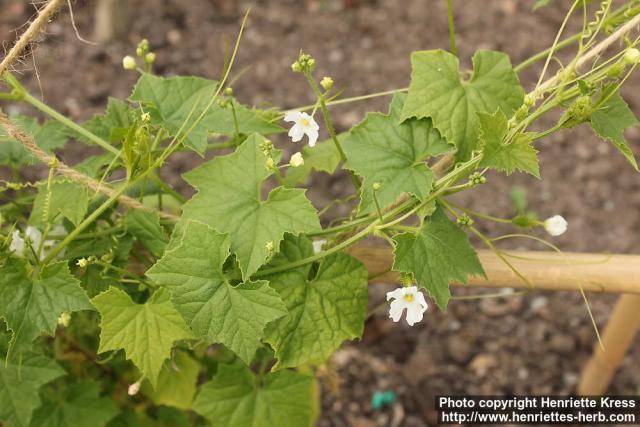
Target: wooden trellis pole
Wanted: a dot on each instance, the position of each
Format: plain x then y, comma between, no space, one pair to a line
557,272
543,270
617,338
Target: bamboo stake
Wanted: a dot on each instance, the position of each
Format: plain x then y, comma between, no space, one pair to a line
544,270
616,340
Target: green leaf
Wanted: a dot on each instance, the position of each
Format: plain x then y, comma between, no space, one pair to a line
109,126
177,102
324,310
79,406
438,254
437,91
176,383
216,311
324,157
66,199
146,332
32,306
518,155
20,380
94,166
50,136
145,226
383,150
235,398
610,121
229,200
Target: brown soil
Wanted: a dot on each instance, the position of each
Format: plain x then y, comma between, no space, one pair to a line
514,345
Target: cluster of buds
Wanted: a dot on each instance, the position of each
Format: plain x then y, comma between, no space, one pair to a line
266,147
143,52
464,220
477,178
304,64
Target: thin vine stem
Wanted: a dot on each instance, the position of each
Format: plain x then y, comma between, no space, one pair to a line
452,29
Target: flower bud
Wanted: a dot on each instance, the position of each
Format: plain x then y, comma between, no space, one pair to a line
296,67
556,225
296,160
632,56
228,91
326,82
376,186
150,58
269,247
82,262
129,62
529,101
134,388
269,164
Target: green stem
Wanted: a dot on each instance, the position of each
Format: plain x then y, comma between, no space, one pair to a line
168,189
69,123
330,128
84,224
236,126
353,239
452,30
127,273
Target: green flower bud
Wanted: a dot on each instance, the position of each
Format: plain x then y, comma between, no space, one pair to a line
616,70
326,83
529,101
150,58
632,56
296,67
376,186
228,91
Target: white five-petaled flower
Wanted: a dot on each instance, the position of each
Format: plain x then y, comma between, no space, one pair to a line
556,225
303,124
411,299
33,236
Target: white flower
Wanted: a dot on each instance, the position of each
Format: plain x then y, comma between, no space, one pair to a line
33,237
409,298
296,160
129,62
17,243
303,125
317,245
556,225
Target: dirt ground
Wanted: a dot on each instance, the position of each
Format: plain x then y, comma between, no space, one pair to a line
532,344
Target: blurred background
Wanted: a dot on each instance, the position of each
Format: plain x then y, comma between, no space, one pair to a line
525,344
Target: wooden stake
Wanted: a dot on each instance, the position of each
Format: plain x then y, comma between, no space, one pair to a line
544,270
616,340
